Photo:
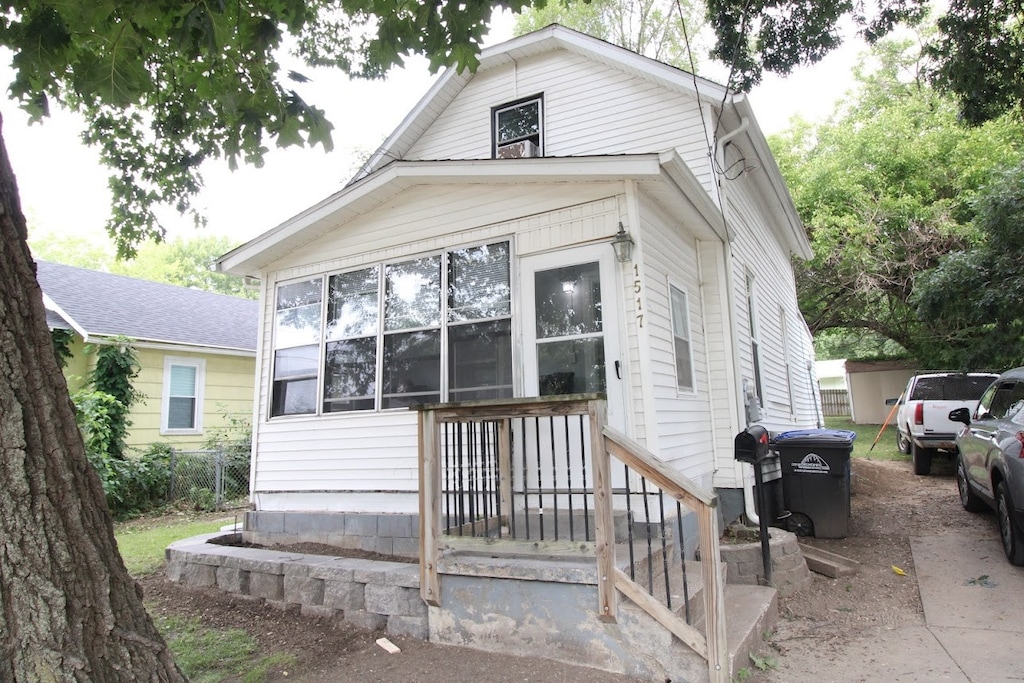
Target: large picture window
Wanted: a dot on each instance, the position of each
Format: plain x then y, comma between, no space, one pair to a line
424,330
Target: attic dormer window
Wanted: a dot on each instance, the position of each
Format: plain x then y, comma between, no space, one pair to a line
518,128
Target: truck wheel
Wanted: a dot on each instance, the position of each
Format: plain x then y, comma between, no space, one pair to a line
1012,537
922,458
902,442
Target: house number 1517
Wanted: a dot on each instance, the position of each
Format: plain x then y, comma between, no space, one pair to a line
638,288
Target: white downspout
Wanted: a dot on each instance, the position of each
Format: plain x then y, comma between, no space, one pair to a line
746,473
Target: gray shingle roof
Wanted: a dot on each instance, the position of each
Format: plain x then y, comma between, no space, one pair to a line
104,305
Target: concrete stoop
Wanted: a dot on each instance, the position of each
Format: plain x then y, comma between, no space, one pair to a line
751,612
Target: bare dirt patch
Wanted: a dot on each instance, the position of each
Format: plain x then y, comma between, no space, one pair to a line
890,506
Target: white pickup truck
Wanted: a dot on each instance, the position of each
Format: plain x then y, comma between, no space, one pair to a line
923,428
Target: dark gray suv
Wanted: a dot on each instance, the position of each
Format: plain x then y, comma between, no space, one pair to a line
990,462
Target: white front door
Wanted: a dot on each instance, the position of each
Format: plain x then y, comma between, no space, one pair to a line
571,326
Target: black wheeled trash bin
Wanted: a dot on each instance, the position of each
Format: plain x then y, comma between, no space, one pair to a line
816,480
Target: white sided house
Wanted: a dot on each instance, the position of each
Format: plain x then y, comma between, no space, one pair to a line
473,259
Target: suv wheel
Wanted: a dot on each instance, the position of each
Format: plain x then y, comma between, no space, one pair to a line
968,498
1012,537
902,442
922,458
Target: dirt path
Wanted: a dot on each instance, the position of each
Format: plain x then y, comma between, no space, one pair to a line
890,505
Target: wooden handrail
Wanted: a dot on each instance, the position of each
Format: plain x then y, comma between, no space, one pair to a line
605,442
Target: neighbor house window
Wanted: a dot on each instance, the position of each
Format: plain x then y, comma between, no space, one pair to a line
422,330
182,404
681,339
518,128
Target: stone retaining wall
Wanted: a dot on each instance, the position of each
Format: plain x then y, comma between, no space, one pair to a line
368,594
789,569
385,533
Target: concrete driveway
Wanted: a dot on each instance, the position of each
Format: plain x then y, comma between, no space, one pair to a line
973,606
974,623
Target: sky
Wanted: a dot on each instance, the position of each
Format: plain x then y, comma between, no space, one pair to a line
63,187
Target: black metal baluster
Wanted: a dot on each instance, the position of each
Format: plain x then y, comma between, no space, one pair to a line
568,477
554,473
650,549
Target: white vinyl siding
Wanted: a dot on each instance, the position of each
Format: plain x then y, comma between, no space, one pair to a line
589,108
182,399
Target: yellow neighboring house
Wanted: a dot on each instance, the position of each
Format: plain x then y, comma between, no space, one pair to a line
197,350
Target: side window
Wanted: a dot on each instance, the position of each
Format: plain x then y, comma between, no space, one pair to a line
518,129
296,347
681,339
755,350
1001,400
182,405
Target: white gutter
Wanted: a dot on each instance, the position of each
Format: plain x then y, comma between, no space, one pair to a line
746,473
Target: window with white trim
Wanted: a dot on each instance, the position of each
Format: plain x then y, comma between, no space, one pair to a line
755,341
519,126
784,329
681,339
434,328
182,404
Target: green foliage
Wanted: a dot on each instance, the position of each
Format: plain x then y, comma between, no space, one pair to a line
166,86
62,339
180,262
977,55
649,27
971,300
116,367
131,484
885,189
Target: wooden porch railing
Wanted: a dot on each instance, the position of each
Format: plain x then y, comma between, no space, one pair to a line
532,477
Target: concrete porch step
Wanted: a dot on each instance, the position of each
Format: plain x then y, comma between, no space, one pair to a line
750,613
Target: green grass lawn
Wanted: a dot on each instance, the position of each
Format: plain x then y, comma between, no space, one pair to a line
142,542
205,655
885,449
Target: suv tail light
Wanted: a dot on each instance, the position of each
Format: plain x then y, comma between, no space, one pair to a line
919,414
1020,437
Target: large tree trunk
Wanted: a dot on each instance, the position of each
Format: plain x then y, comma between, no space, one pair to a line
69,611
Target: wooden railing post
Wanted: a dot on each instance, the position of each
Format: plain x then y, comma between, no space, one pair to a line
505,469
714,594
604,521
430,499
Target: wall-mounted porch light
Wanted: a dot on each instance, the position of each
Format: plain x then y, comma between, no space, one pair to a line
622,243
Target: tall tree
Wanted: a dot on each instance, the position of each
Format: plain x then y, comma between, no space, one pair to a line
164,86
661,29
978,55
885,189
972,298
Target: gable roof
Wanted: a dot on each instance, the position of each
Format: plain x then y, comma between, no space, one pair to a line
548,39
97,304
387,172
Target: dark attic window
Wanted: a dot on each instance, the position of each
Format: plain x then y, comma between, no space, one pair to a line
518,128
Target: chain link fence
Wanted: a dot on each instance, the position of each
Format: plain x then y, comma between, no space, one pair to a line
208,479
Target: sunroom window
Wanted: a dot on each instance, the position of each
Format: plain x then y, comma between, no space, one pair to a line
518,128
423,330
297,337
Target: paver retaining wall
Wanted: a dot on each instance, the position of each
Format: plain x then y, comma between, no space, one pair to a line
368,594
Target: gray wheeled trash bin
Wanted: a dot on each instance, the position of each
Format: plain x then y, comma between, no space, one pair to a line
816,480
